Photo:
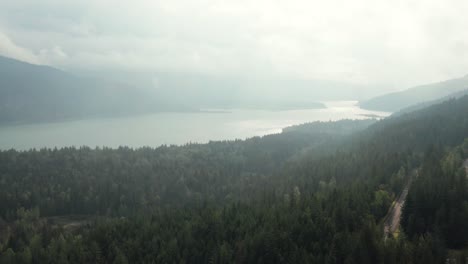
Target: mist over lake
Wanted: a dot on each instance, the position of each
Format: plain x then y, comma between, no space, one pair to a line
172,127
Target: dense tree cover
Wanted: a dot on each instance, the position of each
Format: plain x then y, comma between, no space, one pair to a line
438,201
119,181
309,195
333,227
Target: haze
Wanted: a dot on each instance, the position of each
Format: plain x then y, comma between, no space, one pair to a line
369,47
242,131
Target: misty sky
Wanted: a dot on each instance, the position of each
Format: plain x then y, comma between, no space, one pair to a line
370,42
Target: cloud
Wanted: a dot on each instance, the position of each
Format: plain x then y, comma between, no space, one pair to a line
398,43
9,49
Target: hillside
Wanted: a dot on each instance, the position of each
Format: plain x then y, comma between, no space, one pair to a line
316,193
396,101
35,93
433,102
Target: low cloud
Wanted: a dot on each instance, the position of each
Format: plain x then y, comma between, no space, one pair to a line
393,43
9,49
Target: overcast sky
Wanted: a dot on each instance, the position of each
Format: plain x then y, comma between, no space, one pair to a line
393,43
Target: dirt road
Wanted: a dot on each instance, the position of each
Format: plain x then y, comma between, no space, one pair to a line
392,220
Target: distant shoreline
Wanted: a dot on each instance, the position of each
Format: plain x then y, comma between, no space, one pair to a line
185,111
372,115
169,127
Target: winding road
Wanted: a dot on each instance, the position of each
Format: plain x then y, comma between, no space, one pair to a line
392,220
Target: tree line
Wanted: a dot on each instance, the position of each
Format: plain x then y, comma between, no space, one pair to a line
313,194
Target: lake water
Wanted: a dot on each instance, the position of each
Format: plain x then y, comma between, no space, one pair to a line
172,128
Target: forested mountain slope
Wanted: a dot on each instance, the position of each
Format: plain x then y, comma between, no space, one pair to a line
116,181
308,195
35,93
438,201
396,101
433,102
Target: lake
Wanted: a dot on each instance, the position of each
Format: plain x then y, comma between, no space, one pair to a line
172,128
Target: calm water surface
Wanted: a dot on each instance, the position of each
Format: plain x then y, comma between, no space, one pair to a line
172,128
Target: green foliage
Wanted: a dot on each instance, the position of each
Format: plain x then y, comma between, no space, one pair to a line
438,201
309,195
121,181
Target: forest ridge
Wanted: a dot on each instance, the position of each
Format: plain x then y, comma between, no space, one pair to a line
316,193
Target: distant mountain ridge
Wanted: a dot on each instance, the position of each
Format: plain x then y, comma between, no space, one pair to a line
37,93
423,105
396,101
